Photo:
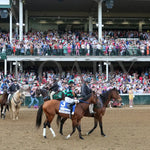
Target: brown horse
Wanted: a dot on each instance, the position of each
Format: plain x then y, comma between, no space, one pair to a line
51,108
99,109
4,106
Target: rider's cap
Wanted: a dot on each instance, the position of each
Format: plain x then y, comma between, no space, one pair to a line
70,81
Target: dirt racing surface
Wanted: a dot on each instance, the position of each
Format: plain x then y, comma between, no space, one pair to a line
125,129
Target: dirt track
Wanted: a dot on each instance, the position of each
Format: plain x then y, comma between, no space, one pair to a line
126,129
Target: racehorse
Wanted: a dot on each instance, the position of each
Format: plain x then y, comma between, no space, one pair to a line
4,106
15,102
45,94
99,109
51,108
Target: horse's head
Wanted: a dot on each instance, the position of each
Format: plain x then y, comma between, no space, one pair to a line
38,92
115,94
21,94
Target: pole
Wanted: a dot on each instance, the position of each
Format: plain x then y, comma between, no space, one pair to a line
20,20
90,24
16,71
100,20
10,28
26,21
5,67
107,69
10,67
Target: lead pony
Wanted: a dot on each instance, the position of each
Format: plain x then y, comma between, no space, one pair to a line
51,108
15,103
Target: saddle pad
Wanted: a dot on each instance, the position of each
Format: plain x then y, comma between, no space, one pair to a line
63,108
57,95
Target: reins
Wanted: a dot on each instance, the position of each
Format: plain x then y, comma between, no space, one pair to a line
84,102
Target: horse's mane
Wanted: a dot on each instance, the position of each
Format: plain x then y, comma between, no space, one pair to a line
17,94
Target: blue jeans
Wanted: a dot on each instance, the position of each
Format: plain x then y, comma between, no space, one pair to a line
32,101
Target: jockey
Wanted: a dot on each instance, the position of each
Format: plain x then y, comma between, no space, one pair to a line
86,90
69,96
54,88
12,89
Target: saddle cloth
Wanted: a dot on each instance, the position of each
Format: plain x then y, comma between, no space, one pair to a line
64,107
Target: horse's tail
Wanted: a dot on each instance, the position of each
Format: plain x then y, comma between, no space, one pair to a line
58,120
39,116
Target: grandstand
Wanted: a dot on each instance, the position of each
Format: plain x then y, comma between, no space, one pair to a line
74,16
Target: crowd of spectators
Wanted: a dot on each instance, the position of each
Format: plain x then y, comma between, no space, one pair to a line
77,43
122,81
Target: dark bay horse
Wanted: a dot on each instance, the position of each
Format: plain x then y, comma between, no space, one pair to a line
99,109
51,108
4,106
45,94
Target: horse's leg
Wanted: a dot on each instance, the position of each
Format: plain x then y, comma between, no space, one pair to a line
44,128
52,131
13,112
17,112
79,130
47,123
3,111
95,125
101,126
61,125
74,125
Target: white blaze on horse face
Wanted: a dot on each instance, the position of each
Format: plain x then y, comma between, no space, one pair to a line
44,132
54,135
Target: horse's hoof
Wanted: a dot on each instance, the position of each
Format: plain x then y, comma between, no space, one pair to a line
87,134
61,133
45,137
81,138
103,135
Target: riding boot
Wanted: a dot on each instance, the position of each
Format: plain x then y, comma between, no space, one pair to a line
71,108
91,109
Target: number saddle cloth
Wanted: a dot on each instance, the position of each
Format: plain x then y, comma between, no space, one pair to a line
64,107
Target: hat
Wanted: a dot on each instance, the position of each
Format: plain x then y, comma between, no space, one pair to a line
70,81
87,80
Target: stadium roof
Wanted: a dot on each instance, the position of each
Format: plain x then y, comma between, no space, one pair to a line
122,8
